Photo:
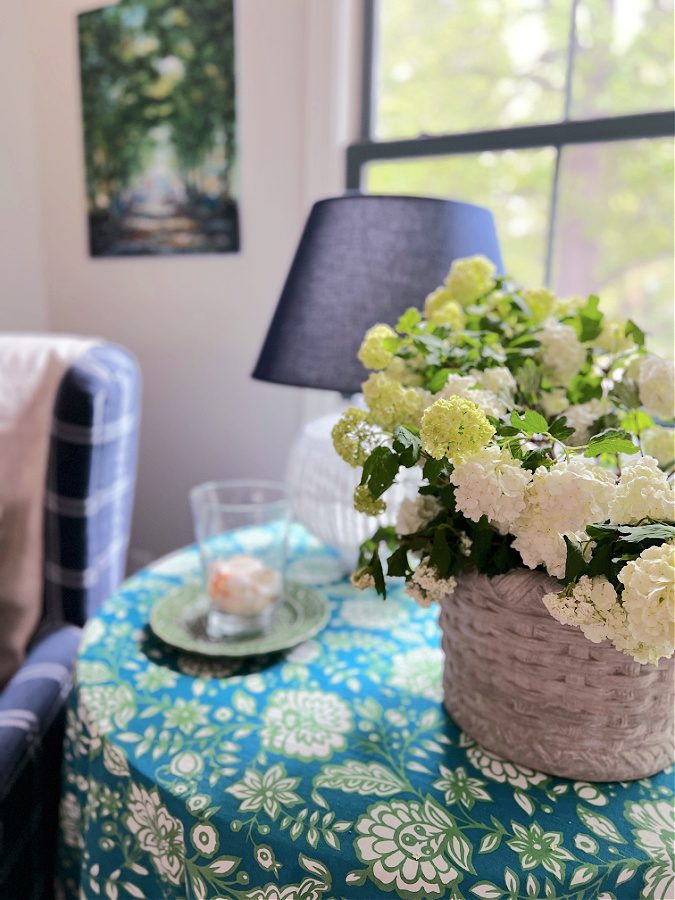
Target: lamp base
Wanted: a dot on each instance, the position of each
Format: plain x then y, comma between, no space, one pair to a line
321,487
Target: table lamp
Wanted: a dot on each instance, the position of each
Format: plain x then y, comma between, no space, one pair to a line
361,259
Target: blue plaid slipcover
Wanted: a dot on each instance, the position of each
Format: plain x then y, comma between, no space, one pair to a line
87,511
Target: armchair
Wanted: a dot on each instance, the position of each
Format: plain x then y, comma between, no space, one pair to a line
87,510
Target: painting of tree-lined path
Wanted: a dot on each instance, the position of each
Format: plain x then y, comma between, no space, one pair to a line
158,98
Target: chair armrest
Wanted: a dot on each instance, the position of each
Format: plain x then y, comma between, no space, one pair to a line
33,698
32,717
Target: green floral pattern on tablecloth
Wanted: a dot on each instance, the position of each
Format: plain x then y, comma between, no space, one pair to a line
328,771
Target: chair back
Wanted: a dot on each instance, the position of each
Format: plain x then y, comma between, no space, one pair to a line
91,473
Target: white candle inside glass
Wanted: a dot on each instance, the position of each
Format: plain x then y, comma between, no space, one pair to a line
242,585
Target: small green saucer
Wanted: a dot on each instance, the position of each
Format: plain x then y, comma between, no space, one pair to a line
179,619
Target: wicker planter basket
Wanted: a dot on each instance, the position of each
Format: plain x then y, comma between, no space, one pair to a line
540,694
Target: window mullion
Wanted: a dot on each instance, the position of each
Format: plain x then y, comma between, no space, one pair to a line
555,182
368,70
552,217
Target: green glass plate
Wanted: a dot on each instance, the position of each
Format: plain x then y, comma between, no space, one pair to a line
179,619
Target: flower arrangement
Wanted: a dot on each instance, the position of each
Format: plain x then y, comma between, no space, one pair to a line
543,430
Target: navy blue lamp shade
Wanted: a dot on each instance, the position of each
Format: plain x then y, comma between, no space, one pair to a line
363,259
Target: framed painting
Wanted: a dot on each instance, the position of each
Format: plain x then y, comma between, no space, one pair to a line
160,134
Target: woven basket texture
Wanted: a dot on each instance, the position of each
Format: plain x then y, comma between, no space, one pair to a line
541,694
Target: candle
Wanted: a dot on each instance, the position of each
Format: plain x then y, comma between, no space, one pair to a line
242,585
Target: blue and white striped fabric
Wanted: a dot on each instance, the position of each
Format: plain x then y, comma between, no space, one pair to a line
87,512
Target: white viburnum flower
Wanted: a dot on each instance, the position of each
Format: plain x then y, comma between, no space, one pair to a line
659,443
498,380
562,356
561,500
404,371
585,607
491,483
643,492
593,606
362,580
582,416
426,587
414,514
465,544
649,599
466,386
554,402
656,382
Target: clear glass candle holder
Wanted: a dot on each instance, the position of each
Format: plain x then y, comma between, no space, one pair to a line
242,566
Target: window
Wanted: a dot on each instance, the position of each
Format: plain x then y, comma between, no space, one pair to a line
555,114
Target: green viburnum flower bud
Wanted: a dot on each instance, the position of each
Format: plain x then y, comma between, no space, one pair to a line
470,278
402,371
355,436
541,303
454,428
372,353
364,502
441,309
391,404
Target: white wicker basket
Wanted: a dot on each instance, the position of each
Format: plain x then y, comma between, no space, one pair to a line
540,694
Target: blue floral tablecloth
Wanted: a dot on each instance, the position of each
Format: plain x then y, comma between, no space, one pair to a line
329,771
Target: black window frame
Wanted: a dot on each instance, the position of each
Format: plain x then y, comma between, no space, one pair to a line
557,135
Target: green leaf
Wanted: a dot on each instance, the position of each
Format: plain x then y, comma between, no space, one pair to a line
377,573
535,458
634,331
588,321
625,393
524,340
530,422
391,343
438,380
408,446
636,421
584,388
380,470
441,554
560,430
612,440
657,531
575,565
600,562
409,320
435,469
481,541
601,531
528,377
397,564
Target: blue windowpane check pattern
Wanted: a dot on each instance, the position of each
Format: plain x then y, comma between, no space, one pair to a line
88,500
327,771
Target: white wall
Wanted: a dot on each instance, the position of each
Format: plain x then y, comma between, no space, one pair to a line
196,323
23,299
